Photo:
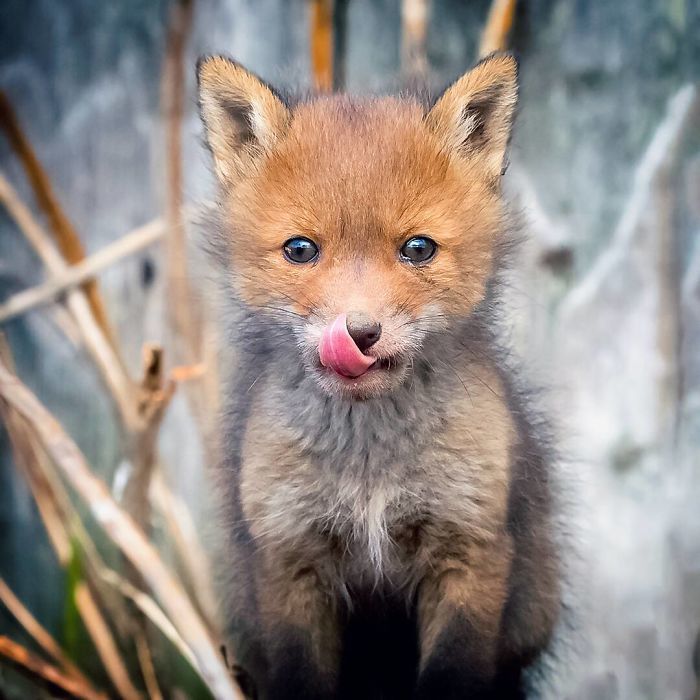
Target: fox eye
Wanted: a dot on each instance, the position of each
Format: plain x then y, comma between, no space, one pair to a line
300,250
418,250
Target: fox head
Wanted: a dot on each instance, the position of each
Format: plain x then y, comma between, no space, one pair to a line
362,229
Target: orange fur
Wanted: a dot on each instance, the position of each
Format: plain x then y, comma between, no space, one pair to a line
414,180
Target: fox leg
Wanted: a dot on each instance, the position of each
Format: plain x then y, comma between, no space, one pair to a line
460,604
301,634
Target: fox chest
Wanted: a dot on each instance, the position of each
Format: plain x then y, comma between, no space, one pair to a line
372,523
372,504
366,524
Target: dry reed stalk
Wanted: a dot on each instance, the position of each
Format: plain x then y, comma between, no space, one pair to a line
60,529
322,44
104,642
27,460
137,431
188,549
38,668
123,532
39,633
185,323
415,15
87,269
152,611
499,23
148,670
340,43
65,234
99,348
136,416
155,395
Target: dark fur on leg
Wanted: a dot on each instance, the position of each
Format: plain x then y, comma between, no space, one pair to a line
295,675
459,666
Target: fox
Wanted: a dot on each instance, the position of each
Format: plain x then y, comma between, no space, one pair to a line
386,481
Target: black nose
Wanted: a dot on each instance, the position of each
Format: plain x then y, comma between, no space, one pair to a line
363,330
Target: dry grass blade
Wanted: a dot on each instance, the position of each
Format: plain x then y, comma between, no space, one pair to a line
104,642
28,461
106,359
75,275
66,236
183,320
188,548
494,37
38,633
154,397
322,44
63,527
61,524
37,667
122,531
152,611
147,669
414,33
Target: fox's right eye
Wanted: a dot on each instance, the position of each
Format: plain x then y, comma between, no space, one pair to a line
300,250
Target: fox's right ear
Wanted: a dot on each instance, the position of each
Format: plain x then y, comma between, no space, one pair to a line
242,116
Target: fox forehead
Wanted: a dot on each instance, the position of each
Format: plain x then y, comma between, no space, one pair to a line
361,168
345,135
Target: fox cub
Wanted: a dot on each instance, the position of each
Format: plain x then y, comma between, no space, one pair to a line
387,494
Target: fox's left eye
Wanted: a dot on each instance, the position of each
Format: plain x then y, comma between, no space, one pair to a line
300,250
418,249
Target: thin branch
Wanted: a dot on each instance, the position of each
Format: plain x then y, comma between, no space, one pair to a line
498,26
52,500
39,633
415,15
185,319
322,44
154,397
37,667
65,234
658,159
107,361
340,43
646,229
28,461
104,642
122,531
152,611
148,670
63,526
121,387
75,275
184,323
188,549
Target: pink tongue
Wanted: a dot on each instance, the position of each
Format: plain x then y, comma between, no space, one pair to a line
339,352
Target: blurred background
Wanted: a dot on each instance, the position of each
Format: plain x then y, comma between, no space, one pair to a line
108,317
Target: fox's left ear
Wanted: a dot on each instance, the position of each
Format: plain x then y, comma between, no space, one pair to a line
243,117
474,116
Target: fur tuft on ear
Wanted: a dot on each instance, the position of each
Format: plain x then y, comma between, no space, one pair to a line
242,116
474,115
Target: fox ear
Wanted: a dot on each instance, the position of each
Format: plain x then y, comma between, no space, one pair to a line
474,116
242,116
